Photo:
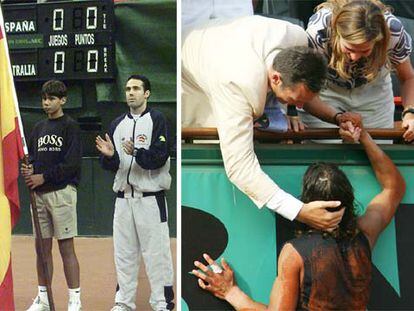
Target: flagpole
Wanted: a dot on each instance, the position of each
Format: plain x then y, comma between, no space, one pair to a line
33,205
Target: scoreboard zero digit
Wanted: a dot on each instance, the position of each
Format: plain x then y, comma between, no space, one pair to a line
62,40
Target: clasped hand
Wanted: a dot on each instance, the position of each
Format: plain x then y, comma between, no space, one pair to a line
32,180
350,126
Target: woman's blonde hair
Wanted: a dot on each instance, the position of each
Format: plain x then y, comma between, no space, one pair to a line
357,22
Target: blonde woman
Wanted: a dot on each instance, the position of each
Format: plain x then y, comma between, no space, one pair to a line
363,42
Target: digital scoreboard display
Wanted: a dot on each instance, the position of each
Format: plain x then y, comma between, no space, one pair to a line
61,40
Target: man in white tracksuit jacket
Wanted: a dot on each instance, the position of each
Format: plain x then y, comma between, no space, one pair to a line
137,150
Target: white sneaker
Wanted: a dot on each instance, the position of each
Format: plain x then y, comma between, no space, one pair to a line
74,306
38,305
120,307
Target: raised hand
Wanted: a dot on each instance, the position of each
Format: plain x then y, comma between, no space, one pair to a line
351,118
106,147
219,282
347,136
350,126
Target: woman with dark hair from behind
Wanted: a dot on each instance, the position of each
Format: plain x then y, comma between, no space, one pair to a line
326,180
323,270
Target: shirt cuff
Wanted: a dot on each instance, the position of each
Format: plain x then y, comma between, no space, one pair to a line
285,204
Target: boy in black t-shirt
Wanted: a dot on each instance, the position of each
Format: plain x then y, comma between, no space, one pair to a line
55,157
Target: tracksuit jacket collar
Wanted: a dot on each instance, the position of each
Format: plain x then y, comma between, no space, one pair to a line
144,112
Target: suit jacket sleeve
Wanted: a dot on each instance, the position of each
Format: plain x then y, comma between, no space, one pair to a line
234,116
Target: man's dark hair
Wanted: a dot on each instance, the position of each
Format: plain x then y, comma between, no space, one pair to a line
54,88
301,64
144,79
325,181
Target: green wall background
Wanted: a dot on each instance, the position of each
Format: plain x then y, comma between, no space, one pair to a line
145,43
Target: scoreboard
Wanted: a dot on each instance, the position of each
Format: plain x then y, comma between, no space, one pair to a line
61,40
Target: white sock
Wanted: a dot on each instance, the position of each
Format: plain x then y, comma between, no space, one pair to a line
74,294
42,293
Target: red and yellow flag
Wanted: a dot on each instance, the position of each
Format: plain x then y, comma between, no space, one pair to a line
11,150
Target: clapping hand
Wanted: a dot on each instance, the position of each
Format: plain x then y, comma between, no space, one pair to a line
128,147
105,146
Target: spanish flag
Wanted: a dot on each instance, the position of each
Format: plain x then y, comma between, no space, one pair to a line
11,150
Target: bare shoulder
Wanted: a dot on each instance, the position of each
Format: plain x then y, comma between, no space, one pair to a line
289,258
286,288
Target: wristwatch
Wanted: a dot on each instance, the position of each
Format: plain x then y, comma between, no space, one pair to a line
408,110
335,118
134,153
